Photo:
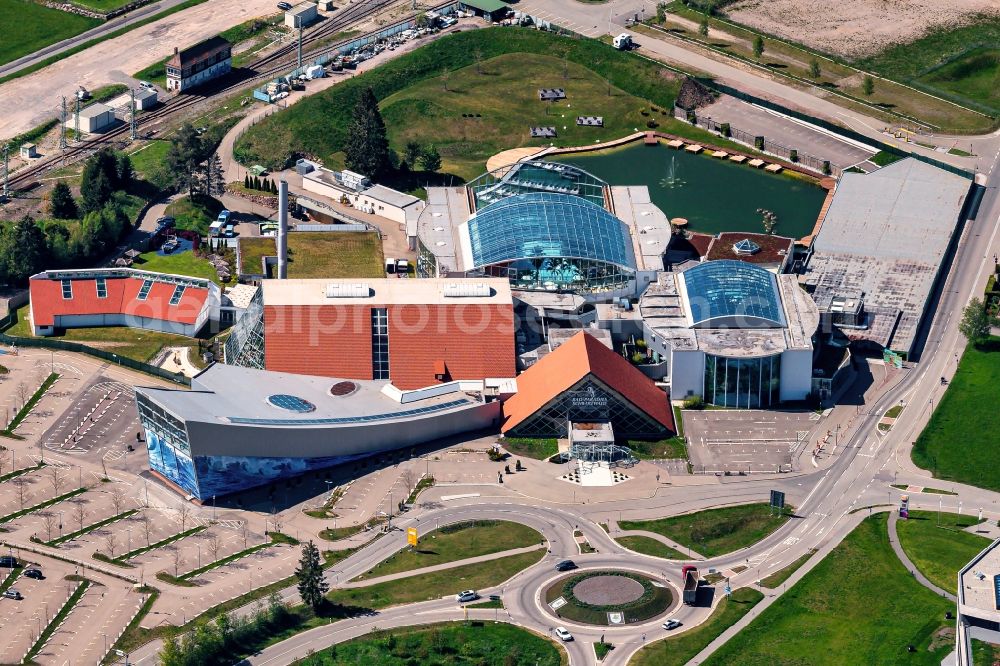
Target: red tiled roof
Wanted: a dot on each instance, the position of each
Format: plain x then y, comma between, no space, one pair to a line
47,301
583,355
770,248
461,341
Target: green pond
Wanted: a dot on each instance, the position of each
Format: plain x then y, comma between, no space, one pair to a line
713,194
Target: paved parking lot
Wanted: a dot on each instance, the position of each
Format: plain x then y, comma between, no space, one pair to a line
793,134
745,441
102,419
23,620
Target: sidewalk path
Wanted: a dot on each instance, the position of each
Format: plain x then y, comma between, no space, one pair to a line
680,548
920,578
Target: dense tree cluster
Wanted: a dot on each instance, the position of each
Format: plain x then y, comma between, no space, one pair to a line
192,164
81,232
215,642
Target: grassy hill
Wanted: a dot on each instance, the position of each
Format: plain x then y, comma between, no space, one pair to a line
492,74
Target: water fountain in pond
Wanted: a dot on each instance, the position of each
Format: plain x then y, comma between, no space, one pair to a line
672,179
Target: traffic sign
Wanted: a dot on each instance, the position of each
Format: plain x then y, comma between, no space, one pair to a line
411,536
777,499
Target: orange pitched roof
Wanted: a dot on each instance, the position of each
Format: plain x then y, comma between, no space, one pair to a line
573,360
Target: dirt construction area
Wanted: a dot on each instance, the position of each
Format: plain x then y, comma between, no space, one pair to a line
860,28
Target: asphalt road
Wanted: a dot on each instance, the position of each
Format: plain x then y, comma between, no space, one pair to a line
860,475
94,33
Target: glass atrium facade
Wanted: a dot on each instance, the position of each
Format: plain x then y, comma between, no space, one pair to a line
733,294
245,345
589,400
537,176
552,242
744,383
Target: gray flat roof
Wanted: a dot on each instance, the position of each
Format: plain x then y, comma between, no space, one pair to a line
648,225
906,210
886,234
390,196
94,110
237,395
387,291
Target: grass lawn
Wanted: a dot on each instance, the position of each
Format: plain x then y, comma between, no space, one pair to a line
858,606
679,649
131,343
648,546
780,576
318,254
37,27
959,63
939,551
784,58
715,531
195,214
457,542
984,654
459,643
675,447
418,103
155,73
526,447
182,263
437,584
961,418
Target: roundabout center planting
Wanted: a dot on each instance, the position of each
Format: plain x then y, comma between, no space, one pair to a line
597,597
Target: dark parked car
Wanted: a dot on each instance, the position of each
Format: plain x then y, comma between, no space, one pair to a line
8,561
566,565
284,6
34,573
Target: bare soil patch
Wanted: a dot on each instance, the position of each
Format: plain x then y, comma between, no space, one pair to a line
608,590
860,28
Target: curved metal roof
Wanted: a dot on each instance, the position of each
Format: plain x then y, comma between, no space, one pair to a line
539,225
732,294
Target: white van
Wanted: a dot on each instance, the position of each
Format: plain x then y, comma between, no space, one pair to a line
622,42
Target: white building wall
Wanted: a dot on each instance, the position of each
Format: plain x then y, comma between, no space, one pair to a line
796,374
375,207
687,374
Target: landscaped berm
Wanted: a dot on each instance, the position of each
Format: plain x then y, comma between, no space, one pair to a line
608,597
473,94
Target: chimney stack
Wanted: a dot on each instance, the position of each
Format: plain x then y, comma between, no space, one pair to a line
282,229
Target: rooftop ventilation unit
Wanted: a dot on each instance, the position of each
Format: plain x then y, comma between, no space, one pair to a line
466,290
355,290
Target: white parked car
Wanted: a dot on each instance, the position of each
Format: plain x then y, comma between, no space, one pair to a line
671,624
468,595
563,634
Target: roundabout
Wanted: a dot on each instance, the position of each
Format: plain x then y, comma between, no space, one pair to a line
608,597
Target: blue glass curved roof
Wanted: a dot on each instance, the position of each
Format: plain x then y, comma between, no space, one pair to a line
733,294
541,224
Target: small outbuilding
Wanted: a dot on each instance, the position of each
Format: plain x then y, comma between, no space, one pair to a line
94,118
28,151
302,15
491,10
145,99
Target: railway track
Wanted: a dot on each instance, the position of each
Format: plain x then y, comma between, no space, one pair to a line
263,68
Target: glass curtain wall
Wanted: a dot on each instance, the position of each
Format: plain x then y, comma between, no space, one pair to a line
743,383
